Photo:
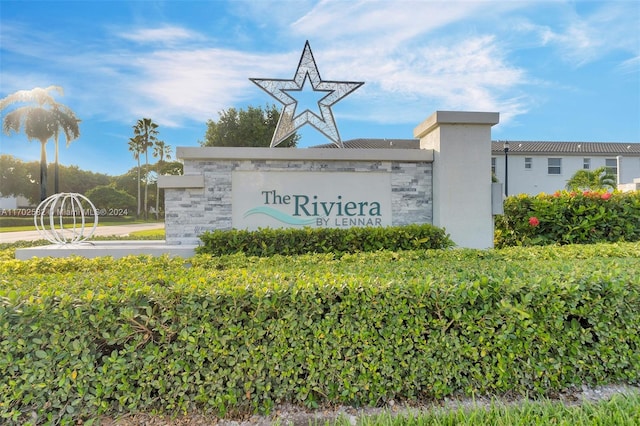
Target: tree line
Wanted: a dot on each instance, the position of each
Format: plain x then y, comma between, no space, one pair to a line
19,178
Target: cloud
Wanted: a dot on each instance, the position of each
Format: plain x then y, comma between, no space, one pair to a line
471,74
172,81
165,35
580,39
269,13
630,66
389,23
176,84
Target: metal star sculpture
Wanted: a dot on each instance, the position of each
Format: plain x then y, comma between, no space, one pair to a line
290,120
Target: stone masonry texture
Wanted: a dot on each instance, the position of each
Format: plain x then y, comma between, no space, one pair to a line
192,211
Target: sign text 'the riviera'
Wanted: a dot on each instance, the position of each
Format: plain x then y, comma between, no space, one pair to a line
310,206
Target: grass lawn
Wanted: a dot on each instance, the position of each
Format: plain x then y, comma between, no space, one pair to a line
150,234
620,410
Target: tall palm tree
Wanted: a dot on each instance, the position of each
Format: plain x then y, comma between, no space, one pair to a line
162,151
42,118
597,179
135,146
146,130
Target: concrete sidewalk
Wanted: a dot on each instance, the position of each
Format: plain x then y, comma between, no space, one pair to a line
117,230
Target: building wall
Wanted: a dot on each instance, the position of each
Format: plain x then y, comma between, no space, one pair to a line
9,203
192,211
537,179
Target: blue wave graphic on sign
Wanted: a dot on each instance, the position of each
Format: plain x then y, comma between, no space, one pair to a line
278,215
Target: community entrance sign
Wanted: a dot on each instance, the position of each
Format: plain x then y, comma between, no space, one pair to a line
279,199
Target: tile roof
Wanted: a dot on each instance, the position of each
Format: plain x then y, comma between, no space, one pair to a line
524,147
363,143
539,147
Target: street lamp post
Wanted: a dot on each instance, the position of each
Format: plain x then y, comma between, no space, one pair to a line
506,168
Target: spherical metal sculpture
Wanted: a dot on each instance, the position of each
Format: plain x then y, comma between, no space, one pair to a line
52,211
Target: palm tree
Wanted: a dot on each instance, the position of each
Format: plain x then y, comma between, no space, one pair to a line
146,130
42,120
594,180
135,146
162,151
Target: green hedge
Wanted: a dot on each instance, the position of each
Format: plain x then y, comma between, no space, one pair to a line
237,334
267,241
569,218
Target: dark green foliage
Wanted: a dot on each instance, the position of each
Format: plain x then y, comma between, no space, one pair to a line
17,221
108,197
20,178
591,180
239,334
251,127
287,242
569,218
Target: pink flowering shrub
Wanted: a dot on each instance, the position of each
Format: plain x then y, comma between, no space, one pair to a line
569,218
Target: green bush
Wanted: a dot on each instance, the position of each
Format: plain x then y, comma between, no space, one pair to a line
569,218
238,334
109,198
16,221
267,241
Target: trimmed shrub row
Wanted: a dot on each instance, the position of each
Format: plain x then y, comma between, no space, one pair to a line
569,218
238,334
267,241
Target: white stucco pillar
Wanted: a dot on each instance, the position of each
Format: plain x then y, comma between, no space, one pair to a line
461,144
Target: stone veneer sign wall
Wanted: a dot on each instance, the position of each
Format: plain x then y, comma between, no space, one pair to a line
447,182
248,188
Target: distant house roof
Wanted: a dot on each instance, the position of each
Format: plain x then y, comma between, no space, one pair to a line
537,147
376,144
516,147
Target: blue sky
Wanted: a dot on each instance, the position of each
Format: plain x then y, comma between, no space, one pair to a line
555,70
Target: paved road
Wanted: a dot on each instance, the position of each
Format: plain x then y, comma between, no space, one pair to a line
120,230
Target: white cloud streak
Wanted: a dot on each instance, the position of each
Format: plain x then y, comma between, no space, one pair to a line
630,66
579,40
195,83
166,35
